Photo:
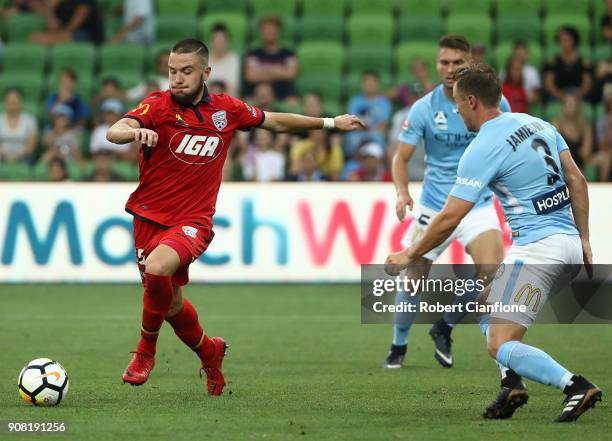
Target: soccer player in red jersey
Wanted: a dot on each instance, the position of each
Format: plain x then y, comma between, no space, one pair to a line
185,134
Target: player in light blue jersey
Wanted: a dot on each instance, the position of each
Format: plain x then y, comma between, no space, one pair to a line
528,166
434,122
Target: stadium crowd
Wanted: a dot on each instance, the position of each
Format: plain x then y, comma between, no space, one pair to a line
64,138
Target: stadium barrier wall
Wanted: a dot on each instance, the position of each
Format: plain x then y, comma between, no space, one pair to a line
282,232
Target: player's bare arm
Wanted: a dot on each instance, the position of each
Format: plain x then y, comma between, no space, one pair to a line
401,178
577,185
128,130
291,122
437,232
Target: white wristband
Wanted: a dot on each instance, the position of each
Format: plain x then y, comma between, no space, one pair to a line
328,123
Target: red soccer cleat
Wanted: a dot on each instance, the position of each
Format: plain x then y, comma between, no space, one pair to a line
139,369
214,377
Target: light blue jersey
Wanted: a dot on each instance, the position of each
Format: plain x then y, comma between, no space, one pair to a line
434,119
517,156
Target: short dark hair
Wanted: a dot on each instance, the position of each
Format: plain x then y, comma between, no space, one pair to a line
454,41
15,89
220,27
71,73
481,81
370,73
273,19
571,31
192,46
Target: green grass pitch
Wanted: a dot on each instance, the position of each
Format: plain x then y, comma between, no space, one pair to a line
300,366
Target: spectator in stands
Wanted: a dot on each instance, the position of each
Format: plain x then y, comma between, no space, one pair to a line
217,87
313,105
103,168
513,87
66,95
606,22
20,6
567,72
57,169
372,164
575,129
416,166
479,53
18,130
407,93
308,168
112,110
263,163
138,23
61,139
531,75
111,89
373,108
69,20
160,80
327,150
602,158
225,63
271,62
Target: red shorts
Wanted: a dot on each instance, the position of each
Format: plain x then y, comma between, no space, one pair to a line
189,240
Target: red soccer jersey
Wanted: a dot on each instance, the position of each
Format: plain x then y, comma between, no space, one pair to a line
181,175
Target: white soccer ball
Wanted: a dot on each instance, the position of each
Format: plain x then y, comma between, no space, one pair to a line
43,382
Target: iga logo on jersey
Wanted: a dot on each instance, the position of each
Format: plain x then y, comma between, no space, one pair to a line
220,119
196,148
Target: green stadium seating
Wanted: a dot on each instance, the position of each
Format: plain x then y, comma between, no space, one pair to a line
176,27
370,28
236,24
177,7
79,57
476,7
127,80
530,29
421,7
19,56
354,83
369,57
328,8
110,5
420,28
518,8
317,28
18,26
580,22
578,7
219,6
315,58
83,86
602,52
406,52
373,6
126,169
31,85
583,49
476,28
553,110
328,86
112,25
534,55
287,31
18,171
122,58
283,8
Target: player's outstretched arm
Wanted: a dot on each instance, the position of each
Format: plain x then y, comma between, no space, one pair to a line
291,122
128,130
579,196
401,178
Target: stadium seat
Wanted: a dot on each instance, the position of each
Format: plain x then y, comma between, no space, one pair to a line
177,7
328,8
176,27
112,25
354,83
530,29
18,171
235,22
122,58
518,8
421,8
283,8
83,86
318,27
319,57
80,57
223,6
370,28
580,22
602,52
583,49
503,51
329,87
578,7
552,110
406,52
126,169
476,28
19,26
373,6
475,7
363,57
425,28
18,56
31,85
127,80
